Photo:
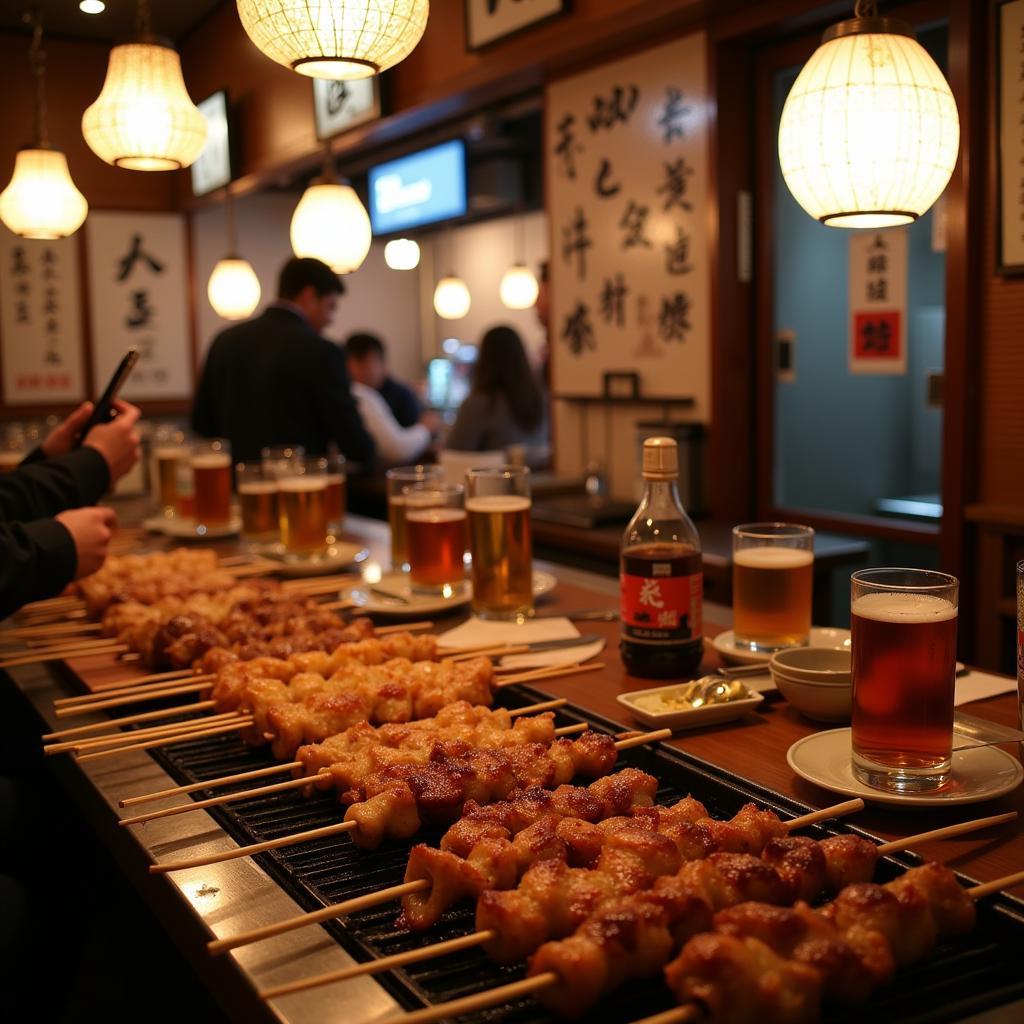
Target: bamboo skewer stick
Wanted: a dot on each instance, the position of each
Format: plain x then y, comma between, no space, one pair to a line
126,685
147,694
198,734
49,629
396,892
132,688
556,672
63,654
227,780
404,627
55,643
116,723
249,851
487,652
122,739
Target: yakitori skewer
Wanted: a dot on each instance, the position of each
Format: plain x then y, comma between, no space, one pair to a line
162,741
112,726
390,808
128,684
515,841
171,732
631,937
64,653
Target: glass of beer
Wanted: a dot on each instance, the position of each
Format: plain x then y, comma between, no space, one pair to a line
398,480
257,494
772,576
277,457
302,509
211,481
904,664
435,524
13,447
334,467
169,450
500,541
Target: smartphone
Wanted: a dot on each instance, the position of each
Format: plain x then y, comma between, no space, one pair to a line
103,411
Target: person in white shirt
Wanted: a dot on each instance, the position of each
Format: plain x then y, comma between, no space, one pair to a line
396,445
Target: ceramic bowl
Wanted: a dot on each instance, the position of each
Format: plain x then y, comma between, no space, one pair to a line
828,665
824,702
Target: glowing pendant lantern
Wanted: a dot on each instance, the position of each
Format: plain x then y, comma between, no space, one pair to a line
233,289
337,39
451,298
869,133
402,254
331,224
41,200
518,288
143,118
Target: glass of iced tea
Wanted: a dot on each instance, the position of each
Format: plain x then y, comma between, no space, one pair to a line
170,449
772,577
500,541
398,480
435,524
210,462
904,666
302,508
257,494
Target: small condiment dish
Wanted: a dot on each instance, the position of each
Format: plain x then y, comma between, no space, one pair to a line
653,707
814,664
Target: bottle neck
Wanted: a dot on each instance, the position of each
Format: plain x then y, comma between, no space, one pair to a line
661,499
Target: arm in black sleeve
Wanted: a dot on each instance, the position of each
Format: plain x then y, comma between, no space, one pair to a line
37,560
337,409
37,490
209,394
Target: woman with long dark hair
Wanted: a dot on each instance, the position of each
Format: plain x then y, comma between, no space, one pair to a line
505,405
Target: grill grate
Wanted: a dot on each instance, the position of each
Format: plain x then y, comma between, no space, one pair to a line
978,972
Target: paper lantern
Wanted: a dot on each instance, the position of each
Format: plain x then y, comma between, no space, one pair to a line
451,298
331,224
143,118
339,39
41,200
233,289
869,133
518,288
402,254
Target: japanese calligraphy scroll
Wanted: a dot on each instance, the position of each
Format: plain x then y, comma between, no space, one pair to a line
626,160
138,295
1011,136
878,301
40,320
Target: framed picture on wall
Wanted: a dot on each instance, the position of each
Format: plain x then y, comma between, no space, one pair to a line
338,106
487,21
1010,100
213,168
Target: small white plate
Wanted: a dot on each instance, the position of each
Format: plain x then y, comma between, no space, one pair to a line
186,529
692,718
979,773
336,557
821,636
372,597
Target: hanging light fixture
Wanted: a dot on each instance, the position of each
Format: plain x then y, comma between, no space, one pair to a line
330,223
41,200
402,254
143,118
338,39
519,288
451,296
233,289
869,132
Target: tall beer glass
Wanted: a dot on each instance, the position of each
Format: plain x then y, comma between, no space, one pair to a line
302,509
398,480
257,494
169,450
334,467
904,665
211,476
500,541
435,522
277,458
772,578
13,448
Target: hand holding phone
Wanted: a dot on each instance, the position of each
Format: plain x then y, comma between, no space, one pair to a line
104,410
117,440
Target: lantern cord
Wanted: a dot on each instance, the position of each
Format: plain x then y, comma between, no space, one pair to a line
520,240
328,164
866,9
143,22
229,219
37,61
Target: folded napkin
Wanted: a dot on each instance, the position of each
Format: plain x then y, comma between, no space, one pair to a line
979,685
475,632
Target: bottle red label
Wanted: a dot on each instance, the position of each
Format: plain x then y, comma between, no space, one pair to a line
661,596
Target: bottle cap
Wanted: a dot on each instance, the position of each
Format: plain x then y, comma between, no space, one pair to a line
661,458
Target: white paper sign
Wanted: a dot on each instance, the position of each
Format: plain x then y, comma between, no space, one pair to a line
338,106
488,20
1011,133
40,320
626,153
878,301
139,299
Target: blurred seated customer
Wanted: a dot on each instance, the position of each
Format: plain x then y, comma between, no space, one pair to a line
368,364
276,380
505,404
396,445
49,535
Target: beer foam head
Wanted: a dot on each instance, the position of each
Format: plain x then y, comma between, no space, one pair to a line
302,484
170,451
257,487
211,460
773,558
435,515
498,503
903,607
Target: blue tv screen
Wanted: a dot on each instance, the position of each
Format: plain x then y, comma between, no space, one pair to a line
418,189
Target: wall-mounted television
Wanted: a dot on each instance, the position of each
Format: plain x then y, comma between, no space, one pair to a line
418,189
212,169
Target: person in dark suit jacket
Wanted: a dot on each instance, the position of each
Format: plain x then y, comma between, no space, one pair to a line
275,380
368,364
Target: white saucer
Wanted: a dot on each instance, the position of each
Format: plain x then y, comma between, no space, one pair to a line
337,556
979,773
186,529
821,636
371,597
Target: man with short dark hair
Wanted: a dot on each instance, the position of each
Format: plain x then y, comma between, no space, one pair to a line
275,380
367,364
